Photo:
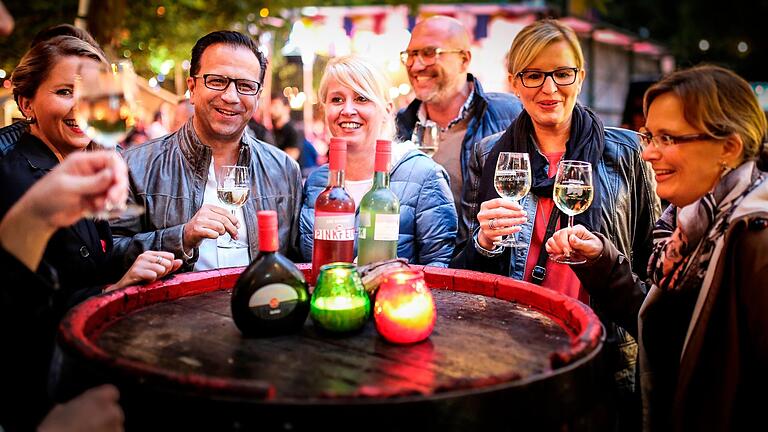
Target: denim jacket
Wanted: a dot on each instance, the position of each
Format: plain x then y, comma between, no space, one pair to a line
630,206
492,112
427,213
167,176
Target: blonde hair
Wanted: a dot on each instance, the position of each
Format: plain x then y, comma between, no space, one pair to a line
364,78
536,36
717,102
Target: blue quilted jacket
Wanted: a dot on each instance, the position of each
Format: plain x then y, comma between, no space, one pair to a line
428,220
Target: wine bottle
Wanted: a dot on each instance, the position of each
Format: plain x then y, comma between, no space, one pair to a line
334,230
271,296
379,213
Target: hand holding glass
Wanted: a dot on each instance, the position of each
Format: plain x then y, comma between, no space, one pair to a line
573,194
512,181
105,97
232,189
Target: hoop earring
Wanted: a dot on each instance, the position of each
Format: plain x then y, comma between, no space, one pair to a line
725,168
31,120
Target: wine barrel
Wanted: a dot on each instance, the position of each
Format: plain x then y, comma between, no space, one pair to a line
504,355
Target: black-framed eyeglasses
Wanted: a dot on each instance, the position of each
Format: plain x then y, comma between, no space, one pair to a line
427,56
664,140
561,77
243,86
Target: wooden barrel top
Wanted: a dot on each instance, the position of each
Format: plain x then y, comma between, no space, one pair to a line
492,332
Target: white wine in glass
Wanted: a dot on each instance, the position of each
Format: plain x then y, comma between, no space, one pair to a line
512,180
426,136
105,96
106,101
233,187
573,194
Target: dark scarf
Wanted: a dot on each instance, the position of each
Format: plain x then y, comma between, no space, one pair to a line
586,143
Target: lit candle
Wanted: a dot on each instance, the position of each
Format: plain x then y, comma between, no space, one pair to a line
339,302
340,314
405,310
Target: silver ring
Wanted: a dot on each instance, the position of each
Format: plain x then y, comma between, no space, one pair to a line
159,259
492,224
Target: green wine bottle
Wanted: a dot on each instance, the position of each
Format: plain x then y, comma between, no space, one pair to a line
379,213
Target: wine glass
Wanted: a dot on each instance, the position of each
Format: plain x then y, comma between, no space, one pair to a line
512,181
105,96
572,194
426,136
232,189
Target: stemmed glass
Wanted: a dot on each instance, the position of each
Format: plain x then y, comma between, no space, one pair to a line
512,181
572,194
426,136
105,98
232,189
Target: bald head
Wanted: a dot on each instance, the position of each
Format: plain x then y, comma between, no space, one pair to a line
438,60
450,31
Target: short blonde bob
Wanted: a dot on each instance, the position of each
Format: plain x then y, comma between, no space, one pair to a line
364,78
536,36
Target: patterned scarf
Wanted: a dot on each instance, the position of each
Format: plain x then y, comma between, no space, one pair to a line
684,238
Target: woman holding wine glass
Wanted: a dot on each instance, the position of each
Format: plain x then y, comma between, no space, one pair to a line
546,70
703,322
355,96
81,254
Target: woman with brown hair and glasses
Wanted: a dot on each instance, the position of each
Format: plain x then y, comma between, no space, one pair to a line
702,326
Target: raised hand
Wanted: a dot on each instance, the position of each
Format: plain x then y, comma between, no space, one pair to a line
80,185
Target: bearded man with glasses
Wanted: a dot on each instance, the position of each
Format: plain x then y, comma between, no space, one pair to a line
174,177
437,59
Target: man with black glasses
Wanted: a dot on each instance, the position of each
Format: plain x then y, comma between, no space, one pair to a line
174,177
451,99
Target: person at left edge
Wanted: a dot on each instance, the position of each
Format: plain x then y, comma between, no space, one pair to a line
174,177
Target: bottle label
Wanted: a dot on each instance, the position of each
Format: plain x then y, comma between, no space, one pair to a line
335,226
365,224
365,219
273,301
387,227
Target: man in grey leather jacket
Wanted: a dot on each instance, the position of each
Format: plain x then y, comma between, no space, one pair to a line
173,178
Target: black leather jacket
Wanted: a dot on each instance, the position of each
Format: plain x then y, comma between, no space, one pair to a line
167,176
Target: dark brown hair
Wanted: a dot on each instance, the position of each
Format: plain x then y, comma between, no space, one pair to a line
37,63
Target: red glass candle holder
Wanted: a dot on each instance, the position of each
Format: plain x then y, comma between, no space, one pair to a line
404,311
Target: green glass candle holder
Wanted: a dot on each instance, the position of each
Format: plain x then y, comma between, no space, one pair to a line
339,302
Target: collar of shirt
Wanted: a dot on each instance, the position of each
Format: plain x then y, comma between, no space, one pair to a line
463,112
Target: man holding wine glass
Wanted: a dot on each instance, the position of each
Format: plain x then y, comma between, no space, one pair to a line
451,112
181,179
546,70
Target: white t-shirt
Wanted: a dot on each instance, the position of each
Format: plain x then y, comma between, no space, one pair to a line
357,189
212,257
